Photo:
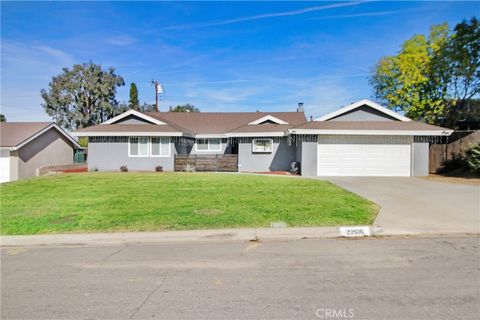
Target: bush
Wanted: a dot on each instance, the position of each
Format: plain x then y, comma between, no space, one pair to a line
83,142
472,158
159,169
124,169
94,169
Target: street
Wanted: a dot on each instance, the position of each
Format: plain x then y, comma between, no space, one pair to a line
402,278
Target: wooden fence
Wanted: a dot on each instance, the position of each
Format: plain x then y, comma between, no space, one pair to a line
214,162
441,154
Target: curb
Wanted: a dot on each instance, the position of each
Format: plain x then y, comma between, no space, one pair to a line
219,235
205,236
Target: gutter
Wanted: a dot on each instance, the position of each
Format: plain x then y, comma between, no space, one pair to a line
445,132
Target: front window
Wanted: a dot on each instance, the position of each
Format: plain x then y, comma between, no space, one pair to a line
160,147
262,145
138,146
209,144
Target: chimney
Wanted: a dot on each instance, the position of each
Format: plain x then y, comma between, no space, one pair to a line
311,118
300,107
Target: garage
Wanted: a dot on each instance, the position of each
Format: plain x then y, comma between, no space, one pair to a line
4,168
356,155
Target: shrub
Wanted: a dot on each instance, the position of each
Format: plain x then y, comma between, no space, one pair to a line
83,142
159,169
472,158
124,169
189,167
94,169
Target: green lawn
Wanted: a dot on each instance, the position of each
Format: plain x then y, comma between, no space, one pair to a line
91,202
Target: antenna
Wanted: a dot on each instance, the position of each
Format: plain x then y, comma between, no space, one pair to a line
158,90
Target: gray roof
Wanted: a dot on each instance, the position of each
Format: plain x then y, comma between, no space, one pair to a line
129,128
14,133
198,123
267,127
222,122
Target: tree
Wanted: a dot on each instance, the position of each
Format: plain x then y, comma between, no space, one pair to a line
82,96
133,102
431,78
404,83
184,108
463,59
146,107
2,118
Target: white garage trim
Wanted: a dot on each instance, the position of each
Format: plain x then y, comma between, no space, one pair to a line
4,169
364,155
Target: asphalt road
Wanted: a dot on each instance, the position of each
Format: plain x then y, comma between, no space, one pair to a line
422,278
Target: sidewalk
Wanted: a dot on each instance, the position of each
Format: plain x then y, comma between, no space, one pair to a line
218,235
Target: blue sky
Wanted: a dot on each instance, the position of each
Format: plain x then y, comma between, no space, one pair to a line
219,56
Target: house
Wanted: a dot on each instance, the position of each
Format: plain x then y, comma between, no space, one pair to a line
362,139
27,146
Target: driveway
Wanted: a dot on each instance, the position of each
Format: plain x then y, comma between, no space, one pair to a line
417,205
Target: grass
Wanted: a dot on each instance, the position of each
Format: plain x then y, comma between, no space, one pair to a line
94,202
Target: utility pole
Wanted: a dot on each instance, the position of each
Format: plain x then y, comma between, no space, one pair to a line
158,90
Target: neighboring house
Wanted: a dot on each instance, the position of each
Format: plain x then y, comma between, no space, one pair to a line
362,139
27,146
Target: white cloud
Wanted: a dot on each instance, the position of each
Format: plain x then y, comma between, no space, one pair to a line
364,14
26,69
267,15
56,53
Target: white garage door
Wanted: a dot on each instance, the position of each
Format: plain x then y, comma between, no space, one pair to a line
364,155
4,169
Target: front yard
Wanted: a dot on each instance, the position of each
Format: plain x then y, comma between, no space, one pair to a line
94,202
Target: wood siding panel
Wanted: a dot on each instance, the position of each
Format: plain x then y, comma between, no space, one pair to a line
219,162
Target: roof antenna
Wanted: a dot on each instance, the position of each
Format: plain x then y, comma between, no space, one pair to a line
158,91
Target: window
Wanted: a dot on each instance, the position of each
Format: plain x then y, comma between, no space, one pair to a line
160,147
209,144
262,145
138,147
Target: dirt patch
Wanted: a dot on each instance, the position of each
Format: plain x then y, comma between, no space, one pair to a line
61,220
468,179
75,170
284,173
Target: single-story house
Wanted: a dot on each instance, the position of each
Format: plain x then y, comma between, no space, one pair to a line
361,139
27,146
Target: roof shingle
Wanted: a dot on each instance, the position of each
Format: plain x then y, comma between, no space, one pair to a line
14,133
221,122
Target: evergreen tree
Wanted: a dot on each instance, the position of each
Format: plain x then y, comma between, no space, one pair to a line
133,103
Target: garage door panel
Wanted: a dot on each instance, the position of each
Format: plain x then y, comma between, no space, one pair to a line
364,156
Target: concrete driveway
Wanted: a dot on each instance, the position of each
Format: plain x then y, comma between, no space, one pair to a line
417,205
